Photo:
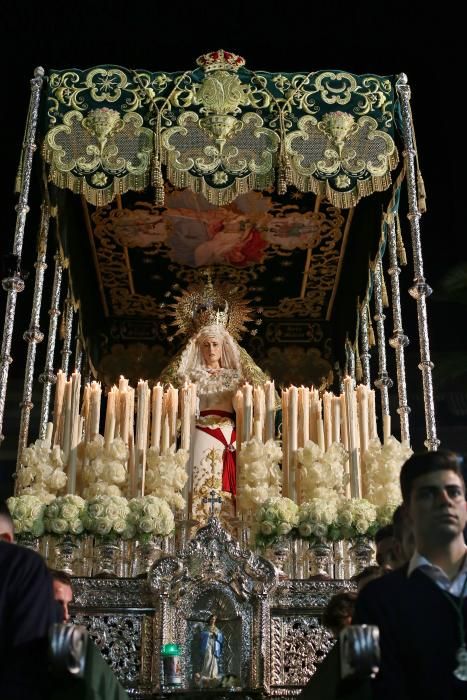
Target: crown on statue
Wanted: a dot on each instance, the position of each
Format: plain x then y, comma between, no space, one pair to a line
220,60
208,304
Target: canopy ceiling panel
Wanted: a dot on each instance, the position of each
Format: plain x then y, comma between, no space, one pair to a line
276,182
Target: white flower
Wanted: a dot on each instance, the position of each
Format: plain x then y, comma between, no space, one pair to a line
166,476
322,470
259,475
381,466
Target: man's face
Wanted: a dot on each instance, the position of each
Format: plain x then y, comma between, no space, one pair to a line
64,595
437,508
386,552
211,349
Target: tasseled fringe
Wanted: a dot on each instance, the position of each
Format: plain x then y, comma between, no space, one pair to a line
157,182
284,174
401,254
371,333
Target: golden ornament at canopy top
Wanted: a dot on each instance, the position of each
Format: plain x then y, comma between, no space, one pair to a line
205,303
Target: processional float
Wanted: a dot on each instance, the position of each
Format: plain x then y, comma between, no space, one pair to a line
244,198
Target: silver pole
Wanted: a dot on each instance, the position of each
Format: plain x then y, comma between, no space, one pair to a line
66,350
48,377
33,335
398,340
383,382
420,289
364,345
14,283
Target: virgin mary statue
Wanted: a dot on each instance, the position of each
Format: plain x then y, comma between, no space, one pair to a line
213,359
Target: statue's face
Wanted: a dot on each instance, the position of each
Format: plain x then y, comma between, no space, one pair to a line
211,349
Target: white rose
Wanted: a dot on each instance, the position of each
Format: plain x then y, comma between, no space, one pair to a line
59,526
304,529
102,526
284,528
266,528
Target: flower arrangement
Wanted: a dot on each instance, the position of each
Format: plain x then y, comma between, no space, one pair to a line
276,517
41,473
27,512
259,474
323,473
107,518
356,517
104,470
150,516
64,515
381,465
166,475
317,519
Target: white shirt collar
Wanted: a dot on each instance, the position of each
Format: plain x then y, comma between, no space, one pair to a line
454,586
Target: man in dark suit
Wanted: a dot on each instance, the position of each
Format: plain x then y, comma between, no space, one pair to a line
421,608
27,609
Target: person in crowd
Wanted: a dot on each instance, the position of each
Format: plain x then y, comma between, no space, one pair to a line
63,591
421,608
339,611
403,536
27,610
386,547
7,532
368,574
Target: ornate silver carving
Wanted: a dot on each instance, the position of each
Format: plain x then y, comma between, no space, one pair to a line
398,340
383,383
420,289
115,593
48,377
298,644
14,283
68,323
365,354
33,335
118,637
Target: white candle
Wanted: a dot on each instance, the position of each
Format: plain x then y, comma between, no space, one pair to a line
58,405
247,411
336,419
185,403
373,431
327,413
355,478
66,436
304,415
110,417
314,410
124,404
285,442
165,437
95,408
386,427
362,395
173,412
48,434
157,394
238,407
293,440
270,401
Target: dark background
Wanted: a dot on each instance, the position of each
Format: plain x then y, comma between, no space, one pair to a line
424,44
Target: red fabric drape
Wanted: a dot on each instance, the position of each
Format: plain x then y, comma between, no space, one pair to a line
229,469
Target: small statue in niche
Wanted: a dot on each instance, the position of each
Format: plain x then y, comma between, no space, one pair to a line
211,643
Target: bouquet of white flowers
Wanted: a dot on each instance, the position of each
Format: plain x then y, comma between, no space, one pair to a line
356,517
317,517
27,513
104,472
107,518
381,465
166,475
259,476
41,473
65,515
150,516
322,472
275,518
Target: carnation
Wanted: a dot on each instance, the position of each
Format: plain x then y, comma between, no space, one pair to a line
381,465
323,470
